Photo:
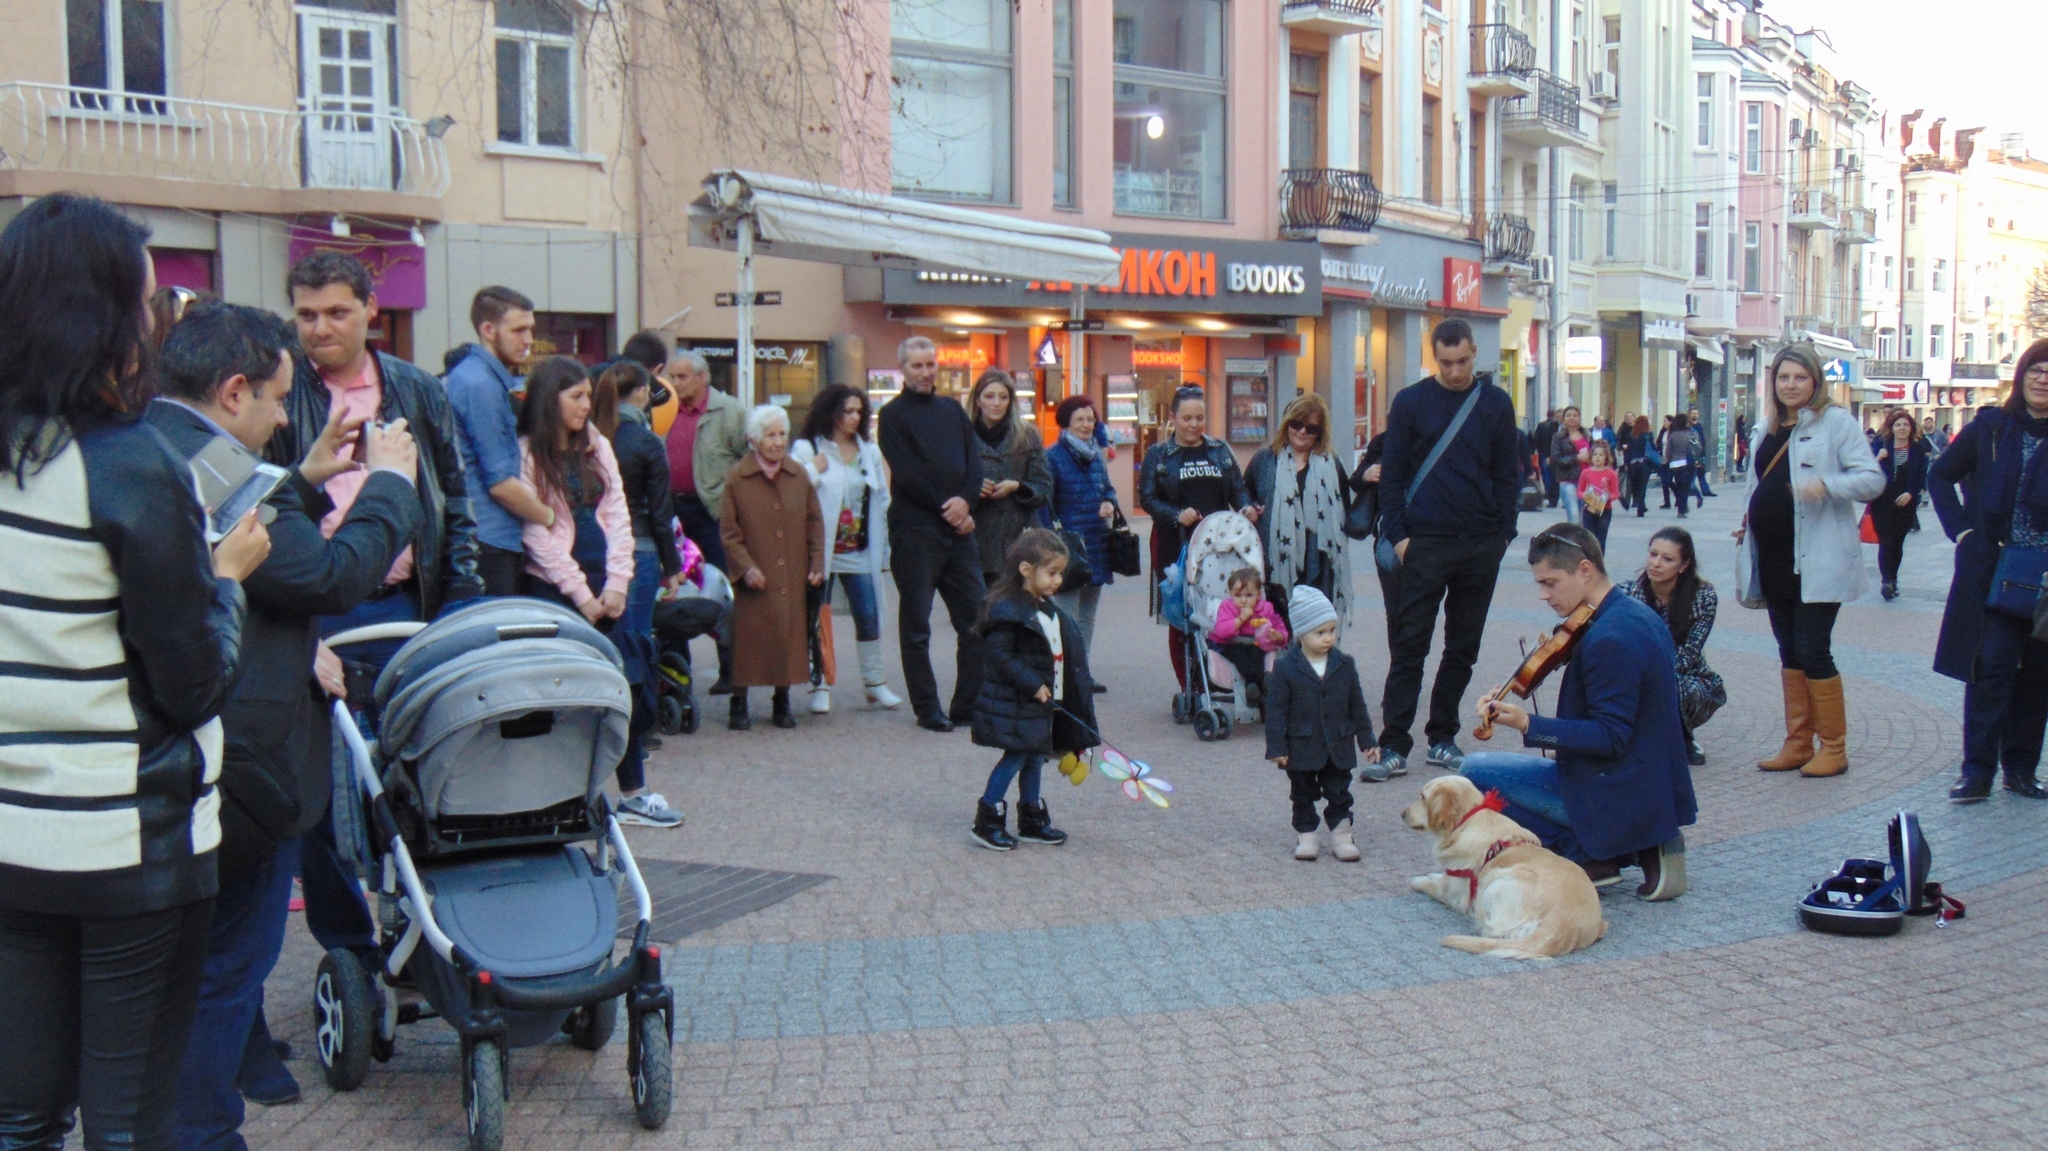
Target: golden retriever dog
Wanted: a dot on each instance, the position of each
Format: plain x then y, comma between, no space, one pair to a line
1527,901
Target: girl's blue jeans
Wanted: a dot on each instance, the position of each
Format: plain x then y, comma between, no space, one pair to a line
1022,766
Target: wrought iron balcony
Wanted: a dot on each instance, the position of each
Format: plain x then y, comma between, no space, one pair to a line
1509,239
1331,17
1313,199
88,132
1502,60
1859,226
1813,209
1894,370
1546,118
1965,370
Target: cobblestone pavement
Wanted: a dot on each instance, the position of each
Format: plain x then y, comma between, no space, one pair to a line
1173,978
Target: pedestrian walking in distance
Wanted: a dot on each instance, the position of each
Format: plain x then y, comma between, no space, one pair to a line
1036,700
1902,453
1801,551
1448,515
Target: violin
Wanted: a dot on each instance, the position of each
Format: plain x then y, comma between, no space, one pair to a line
1552,653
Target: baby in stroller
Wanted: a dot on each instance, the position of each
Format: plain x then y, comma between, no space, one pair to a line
1248,631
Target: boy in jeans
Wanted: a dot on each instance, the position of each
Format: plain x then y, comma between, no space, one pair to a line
1315,711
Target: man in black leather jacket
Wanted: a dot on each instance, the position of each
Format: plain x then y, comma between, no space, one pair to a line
333,304
226,372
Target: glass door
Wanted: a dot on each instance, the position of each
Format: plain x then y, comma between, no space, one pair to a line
346,79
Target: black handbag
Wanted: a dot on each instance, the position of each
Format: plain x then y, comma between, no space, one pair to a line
1079,574
1124,555
1361,519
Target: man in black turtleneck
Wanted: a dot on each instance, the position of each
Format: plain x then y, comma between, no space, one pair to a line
934,483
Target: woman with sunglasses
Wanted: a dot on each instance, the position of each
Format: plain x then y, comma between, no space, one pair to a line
1301,493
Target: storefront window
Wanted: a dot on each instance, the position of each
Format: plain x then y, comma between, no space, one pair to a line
1170,87
787,373
950,115
582,336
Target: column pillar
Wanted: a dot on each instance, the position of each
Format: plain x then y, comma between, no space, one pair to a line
1337,368
1405,336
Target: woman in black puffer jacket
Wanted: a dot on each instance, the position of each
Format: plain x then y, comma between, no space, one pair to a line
1035,661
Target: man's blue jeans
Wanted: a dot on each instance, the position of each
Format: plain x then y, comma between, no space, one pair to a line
248,933
1529,784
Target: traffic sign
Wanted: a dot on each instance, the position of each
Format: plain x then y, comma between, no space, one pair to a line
1077,325
732,299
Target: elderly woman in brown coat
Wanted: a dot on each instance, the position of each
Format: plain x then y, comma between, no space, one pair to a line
774,547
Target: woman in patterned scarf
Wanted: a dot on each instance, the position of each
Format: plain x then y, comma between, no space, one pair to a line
1301,491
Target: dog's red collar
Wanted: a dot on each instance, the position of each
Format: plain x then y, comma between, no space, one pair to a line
1491,801
1471,874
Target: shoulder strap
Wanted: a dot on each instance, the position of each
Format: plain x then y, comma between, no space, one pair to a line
1443,442
1782,449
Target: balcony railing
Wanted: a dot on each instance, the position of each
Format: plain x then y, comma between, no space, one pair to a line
1509,239
1814,208
1965,370
87,132
1502,60
1894,370
1859,226
1331,17
1312,199
1546,118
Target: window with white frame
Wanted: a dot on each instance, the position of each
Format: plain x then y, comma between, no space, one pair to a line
1939,275
1912,208
1909,342
1752,256
117,46
1063,190
1886,340
1912,274
949,122
1935,337
1968,353
1702,241
1171,88
536,74
1576,232
1610,204
1889,267
1703,125
1728,268
1891,202
1752,138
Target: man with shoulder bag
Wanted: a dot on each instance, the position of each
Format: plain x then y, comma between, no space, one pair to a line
1448,492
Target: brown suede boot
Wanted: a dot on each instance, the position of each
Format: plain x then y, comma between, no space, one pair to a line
1831,723
1798,747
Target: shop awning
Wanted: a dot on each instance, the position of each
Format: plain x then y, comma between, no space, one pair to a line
1830,343
801,220
1706,350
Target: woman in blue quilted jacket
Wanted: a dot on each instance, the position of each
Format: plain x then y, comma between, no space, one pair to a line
1083,502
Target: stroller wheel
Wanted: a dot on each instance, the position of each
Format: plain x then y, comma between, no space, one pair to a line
1205,726
688,724
483,1096
591,1027
343,1026
653,1074
669,719
1223,722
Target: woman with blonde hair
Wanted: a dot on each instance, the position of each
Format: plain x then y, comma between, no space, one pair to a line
1800,553
1300,492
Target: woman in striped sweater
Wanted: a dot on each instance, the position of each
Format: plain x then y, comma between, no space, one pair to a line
119,642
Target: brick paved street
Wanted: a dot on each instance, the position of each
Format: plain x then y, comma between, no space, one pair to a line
1174,978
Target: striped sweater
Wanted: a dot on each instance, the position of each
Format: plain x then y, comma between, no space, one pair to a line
117,649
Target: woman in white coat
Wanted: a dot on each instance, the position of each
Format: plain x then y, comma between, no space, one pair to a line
845,467
1800,554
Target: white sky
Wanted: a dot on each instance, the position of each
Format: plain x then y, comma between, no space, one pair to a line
1978,62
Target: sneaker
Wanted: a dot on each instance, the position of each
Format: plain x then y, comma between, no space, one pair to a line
1379,770
1446,756
649,810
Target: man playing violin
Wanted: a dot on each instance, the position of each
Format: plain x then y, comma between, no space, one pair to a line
1619,787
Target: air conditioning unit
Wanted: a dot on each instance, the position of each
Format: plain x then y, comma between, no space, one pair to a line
1603,87
1855,163
1812,139
1542,270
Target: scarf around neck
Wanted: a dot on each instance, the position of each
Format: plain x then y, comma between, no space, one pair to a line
1086,449
1317,506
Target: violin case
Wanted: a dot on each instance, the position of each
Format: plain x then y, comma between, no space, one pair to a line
1872,896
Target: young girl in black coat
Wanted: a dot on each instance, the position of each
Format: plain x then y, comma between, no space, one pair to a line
1033,650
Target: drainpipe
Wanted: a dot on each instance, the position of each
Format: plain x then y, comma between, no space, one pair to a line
1560,268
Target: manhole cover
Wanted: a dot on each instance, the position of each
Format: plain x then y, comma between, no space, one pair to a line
693,897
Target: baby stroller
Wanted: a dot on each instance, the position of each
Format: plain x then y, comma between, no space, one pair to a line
701,607
484,822
1190,591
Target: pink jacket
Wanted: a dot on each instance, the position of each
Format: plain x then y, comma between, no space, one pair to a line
549,550
1229,626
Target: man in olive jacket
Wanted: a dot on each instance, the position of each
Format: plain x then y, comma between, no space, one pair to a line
226,373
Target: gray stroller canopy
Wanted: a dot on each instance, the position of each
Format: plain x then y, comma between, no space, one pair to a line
505,707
